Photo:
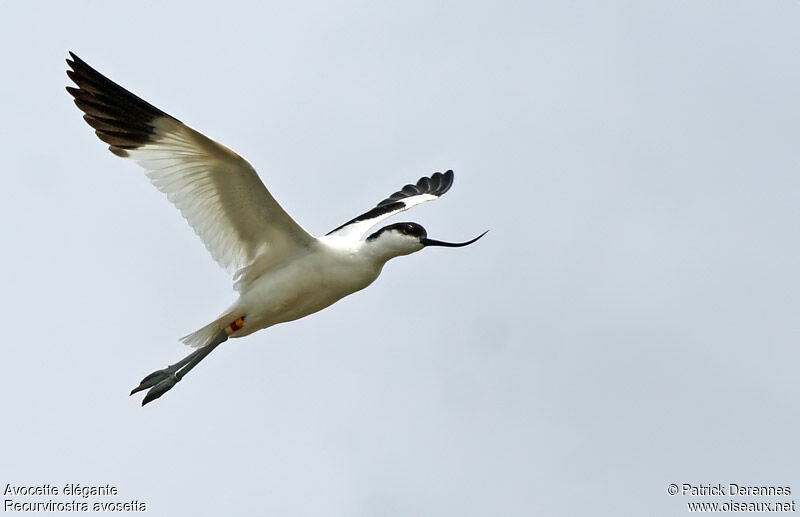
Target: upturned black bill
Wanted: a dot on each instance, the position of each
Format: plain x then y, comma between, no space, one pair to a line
432,242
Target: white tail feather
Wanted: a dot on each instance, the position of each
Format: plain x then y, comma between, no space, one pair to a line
205,335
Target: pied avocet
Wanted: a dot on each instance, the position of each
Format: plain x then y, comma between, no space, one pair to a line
281,272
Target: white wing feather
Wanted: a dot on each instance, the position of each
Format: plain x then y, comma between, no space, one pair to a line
215,189
220,195
427,188
356,230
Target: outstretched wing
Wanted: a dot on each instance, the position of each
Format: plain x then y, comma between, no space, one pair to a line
426,189
215,189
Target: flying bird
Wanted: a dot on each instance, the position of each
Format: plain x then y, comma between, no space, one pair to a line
281,272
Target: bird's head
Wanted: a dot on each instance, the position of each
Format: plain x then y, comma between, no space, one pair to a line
404,238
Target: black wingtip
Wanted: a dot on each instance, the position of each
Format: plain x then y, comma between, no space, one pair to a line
436,184
75,62
120,118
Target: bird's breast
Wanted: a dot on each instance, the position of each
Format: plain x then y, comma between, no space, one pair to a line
303,287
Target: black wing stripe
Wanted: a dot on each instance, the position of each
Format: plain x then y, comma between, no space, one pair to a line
119,118
372,214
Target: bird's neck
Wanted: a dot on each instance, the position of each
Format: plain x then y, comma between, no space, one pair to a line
381,251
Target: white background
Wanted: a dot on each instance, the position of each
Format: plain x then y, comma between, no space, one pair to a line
630,321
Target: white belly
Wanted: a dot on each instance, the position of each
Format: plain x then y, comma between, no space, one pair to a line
300,288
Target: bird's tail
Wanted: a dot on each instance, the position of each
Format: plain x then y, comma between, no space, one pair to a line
205,335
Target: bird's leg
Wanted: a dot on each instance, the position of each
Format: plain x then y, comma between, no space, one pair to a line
161,381
159,375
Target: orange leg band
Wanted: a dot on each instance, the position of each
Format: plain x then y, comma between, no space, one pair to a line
236,325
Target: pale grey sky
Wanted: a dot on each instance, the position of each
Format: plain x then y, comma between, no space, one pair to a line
629,322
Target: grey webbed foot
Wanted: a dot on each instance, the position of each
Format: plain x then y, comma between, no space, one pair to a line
155,378
161,381
161,388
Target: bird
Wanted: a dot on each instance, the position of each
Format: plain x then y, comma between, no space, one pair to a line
280,271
